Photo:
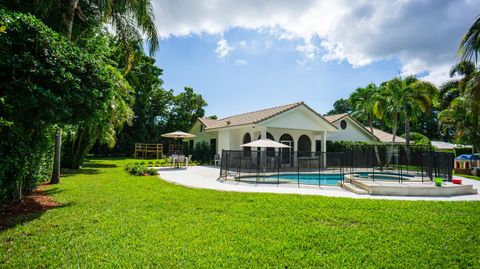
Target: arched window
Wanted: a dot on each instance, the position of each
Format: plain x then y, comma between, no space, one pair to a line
343,124
304,146
287,153
247,150
270,151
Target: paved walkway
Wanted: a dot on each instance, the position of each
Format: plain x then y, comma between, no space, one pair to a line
206,177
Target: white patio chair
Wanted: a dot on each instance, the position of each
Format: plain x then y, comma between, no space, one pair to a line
187,159
181,159
216,159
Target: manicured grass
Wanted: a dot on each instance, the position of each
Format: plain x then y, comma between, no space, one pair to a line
112,219
467,176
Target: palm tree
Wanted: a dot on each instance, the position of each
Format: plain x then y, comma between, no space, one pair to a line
470,44
407,96
461,98
129,18
364,102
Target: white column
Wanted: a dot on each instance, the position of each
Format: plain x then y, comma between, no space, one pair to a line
295,148
313,144
324,147
223,141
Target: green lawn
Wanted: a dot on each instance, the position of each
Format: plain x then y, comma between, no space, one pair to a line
111,219
467,176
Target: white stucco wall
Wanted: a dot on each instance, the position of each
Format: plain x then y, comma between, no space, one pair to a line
351,133
201,136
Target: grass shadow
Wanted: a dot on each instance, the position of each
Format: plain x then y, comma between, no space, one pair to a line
99,165
67,172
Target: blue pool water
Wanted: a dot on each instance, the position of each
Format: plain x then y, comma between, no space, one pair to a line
310,179
331,179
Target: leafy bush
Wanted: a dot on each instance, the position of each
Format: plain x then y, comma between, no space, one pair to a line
347,146
460,151
140,170
202,152
419,139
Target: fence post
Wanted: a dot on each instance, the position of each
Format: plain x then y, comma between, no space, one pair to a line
240,168
298,171
373,162
319,167
279,162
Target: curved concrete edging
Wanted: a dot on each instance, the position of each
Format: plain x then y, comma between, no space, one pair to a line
206,177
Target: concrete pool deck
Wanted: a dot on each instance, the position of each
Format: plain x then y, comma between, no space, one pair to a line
206,177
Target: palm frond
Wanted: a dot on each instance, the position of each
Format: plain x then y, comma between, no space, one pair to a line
470,45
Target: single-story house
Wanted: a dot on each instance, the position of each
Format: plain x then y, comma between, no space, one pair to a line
296,125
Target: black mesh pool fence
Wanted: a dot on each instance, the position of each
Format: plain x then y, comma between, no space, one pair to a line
327,168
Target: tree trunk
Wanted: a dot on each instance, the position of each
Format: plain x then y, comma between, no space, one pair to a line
68,17
407,130
377,155
407,136
392,147
56,159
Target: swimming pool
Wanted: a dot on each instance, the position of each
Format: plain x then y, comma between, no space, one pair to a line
328,179
309,179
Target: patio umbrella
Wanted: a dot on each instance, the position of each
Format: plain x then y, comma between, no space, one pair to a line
265,143
178,135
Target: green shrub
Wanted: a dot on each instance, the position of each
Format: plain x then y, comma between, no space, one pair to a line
202,152
419,139
461,151
140,170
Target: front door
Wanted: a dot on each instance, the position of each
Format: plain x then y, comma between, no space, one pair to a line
213,148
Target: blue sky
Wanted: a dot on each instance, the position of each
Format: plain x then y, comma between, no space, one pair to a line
243,57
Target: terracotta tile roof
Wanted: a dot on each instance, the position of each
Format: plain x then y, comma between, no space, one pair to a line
381,135
387,137
335,117
248,118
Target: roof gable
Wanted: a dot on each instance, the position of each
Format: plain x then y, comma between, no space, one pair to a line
256,117
247,118
379,134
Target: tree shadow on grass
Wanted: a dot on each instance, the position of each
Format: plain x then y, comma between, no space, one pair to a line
99,165
67,172
29,208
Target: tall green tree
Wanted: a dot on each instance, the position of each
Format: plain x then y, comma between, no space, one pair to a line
188,106
45,81
129,18
341,106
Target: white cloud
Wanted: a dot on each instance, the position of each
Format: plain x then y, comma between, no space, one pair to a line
422,35
242,44
241,62
309,52
223,49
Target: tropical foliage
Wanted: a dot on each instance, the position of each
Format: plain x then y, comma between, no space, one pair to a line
46,81
81,79
470,45
461,109
395,101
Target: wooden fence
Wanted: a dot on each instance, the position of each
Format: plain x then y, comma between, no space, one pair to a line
143,150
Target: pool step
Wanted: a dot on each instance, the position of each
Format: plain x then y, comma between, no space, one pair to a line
352,188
